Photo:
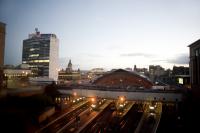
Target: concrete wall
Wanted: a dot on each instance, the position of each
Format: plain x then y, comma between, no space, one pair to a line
165,96
53,59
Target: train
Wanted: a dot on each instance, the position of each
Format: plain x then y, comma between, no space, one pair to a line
96,103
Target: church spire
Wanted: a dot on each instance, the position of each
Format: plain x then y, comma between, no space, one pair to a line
69,67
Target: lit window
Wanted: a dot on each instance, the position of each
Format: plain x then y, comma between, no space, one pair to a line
34,55
43,60
40,61
32,49
180,80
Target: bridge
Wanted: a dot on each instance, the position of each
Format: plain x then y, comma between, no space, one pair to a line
130,94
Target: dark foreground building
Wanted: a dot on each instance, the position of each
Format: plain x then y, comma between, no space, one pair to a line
195,63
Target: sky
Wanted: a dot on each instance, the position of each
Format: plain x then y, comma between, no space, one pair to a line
106,33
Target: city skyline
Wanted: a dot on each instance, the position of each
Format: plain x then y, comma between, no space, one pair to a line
108,34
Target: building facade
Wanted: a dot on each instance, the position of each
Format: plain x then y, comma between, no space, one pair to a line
16,77
69,67
95,73
40,51
69,74
16,73
2,42
155,72
180,70
195,63
2,47
143,71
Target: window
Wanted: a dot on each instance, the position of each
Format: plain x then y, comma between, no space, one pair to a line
31,49
196,52
34,55
180,80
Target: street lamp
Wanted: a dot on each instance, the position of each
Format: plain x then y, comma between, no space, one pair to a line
93,103
75,94
121,99
151,107
74,97
93,99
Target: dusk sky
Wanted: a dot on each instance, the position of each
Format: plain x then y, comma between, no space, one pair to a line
106,33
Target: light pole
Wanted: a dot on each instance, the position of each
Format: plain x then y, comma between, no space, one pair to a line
121,80
120,104
74,97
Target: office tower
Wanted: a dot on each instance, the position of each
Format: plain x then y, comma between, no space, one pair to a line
40,51
2,47
2,42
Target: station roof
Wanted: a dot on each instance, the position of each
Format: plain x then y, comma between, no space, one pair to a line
123,79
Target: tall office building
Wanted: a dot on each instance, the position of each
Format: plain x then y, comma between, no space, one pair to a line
195,63
2,42
2,47
40,51
155,72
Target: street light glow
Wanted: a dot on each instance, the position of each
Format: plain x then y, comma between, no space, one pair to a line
151,107
121,98
93,105
92,99
75,93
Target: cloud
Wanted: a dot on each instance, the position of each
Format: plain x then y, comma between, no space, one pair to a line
161,60
137,54
93,55
180,59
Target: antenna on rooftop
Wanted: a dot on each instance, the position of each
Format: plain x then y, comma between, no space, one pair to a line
37,31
